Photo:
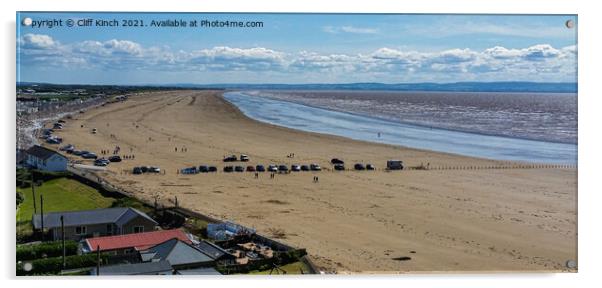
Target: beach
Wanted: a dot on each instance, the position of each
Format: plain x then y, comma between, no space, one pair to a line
479,220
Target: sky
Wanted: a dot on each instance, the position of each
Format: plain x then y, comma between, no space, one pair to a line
297,49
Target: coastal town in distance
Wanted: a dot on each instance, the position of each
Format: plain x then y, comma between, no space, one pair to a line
321,160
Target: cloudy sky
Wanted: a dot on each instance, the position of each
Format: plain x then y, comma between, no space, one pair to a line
300,48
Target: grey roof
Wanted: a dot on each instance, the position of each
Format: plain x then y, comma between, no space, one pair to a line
89,217
144,268
212,250
199,271
176,252
42,152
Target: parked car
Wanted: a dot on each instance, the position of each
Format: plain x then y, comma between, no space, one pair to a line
67,147
54,140
94,131
260,168
155,169
89,155
394,164
370,167
282,168
339,167
204,169
244,158
304,168
359,166
239,169
137,170
115,158
315,167
77,152
231,158
295,168
250,168
228,169
212,169
273,168
189,170
100,162
144,169
336,161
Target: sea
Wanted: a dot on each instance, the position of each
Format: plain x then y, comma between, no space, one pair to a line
530,127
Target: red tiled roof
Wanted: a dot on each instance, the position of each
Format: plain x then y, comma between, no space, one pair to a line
138,241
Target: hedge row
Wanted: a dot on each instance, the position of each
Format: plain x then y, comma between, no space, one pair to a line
46,250
55,265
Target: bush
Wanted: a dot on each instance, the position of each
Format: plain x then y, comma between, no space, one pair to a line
55,265
20,198
48,250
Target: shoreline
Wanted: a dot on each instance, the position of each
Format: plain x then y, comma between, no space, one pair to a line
351,221
412,136
393,121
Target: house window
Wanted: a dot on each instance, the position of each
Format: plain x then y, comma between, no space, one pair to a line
138,229
80,230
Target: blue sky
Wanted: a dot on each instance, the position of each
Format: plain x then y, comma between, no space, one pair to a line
300,48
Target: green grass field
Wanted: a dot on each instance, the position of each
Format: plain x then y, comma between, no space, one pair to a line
61,194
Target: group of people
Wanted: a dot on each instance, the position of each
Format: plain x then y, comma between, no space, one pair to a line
183,149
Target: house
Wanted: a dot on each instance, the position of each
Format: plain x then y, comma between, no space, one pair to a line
145,268
181,255
94,223
218,254
42,158
131,243
198,271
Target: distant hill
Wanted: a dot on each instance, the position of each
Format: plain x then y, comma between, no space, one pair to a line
450,87
561,87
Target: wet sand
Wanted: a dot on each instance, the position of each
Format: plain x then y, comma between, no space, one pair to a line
351,221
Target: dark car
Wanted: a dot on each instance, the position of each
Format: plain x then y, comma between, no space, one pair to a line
282,168
204,169
239,169
260,168
212,169
359,166
89,155
336,161
144,169
370,167
231,158
189,170
77,152
250,168
339,167
228,169
101,162
155,170
67,147
304,168
115,158
137,170
295,168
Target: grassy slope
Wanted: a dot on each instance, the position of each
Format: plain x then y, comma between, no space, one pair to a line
60,194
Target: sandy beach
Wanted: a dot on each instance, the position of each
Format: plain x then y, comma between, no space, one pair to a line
351,221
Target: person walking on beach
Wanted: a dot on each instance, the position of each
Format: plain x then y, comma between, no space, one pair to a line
256,175
176,149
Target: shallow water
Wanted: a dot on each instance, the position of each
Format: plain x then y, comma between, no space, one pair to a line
314,119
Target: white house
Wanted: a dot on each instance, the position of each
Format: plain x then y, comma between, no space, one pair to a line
45,159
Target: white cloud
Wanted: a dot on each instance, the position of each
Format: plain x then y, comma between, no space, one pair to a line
350,29
540,62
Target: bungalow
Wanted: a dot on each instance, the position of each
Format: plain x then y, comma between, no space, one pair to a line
131,243
94,223
180,255
42,158
145,268
218,254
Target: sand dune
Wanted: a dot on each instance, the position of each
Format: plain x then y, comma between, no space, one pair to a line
444,220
